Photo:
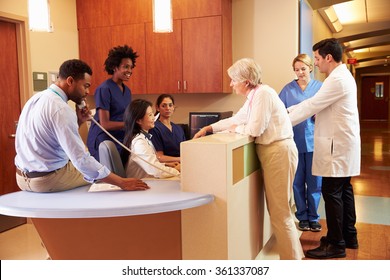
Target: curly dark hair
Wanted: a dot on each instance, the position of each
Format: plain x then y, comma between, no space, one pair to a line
115,56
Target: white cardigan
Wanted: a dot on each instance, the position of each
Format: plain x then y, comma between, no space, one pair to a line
337,130
137,168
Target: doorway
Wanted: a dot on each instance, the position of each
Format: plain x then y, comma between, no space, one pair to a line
375,98
10,108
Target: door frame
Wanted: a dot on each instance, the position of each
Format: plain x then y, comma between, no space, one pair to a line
23,51
25,86
360,88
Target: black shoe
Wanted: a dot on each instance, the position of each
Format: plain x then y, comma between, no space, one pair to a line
315,226
352,243
326,251
304,225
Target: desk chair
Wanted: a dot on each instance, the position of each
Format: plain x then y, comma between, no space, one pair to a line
109,156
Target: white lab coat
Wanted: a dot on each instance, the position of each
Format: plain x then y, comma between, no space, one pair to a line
337,129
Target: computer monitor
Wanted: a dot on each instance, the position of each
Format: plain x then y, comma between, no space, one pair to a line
197,120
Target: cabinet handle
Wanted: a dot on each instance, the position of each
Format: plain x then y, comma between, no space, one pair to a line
178,85
12,135
185,85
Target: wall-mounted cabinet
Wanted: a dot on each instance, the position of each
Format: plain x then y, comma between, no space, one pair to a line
189,60
192,59
94,44
197,8
103,13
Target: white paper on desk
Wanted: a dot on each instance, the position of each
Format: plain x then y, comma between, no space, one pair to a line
103,187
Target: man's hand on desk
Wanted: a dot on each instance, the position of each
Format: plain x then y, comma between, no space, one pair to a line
127,184
132,184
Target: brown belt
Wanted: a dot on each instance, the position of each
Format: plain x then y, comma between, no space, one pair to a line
32,174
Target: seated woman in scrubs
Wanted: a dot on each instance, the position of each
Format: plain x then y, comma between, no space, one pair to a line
167,136
142,162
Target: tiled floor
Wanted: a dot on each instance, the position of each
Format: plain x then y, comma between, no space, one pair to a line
372,196
22,243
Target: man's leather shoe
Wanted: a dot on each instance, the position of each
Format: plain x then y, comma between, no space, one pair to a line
326,251
352,243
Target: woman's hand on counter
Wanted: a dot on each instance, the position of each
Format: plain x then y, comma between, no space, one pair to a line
203,131
175,165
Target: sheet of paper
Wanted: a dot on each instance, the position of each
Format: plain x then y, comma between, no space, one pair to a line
103,187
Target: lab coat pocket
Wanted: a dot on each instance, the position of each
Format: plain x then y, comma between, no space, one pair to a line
323,147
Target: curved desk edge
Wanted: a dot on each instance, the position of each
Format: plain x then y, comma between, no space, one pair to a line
164,196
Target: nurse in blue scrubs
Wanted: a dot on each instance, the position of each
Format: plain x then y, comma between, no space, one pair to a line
111,98
166,135
307,187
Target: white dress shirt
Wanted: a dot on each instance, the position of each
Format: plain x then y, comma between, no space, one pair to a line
263,116
47,137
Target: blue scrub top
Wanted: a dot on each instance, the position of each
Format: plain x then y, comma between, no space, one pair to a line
108,96
292,94
167,141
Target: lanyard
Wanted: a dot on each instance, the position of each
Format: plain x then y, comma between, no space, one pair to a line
57,94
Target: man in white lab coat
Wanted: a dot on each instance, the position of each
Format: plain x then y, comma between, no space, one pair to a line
336,154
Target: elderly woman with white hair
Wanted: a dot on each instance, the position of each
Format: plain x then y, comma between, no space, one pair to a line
264,117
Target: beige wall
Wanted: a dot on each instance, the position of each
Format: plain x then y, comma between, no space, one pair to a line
49,50
320,32
264,30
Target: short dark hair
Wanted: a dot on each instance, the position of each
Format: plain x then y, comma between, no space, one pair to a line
74,68
115,56
329,46
161,97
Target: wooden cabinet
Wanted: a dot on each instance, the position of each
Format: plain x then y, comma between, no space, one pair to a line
103,13
202,55
94,44
197,8
133,35
188,60
192,59
164,60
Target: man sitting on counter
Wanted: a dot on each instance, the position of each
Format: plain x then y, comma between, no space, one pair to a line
50,154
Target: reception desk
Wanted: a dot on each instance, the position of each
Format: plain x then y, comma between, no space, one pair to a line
236,226
116,225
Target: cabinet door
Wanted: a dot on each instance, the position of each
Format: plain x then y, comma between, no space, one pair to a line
164,60
92,13
130,11
94,44
202,54
196,8
133,35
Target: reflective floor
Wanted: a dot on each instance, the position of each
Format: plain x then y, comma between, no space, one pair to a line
372,195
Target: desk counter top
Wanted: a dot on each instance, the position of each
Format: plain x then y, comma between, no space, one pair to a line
163,196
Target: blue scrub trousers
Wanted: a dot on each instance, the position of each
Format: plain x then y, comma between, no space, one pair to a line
307,189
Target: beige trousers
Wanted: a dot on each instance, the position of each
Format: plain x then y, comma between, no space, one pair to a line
65,178
279,162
